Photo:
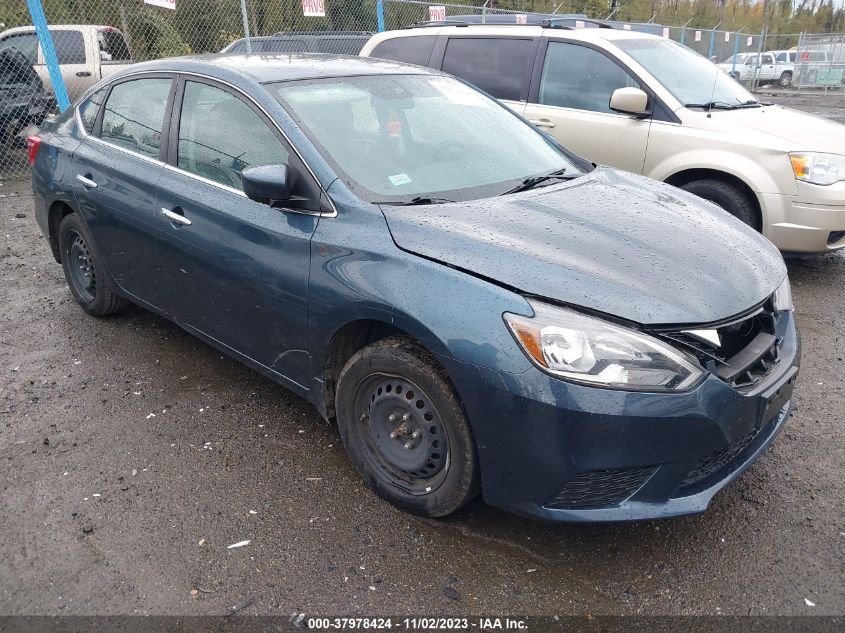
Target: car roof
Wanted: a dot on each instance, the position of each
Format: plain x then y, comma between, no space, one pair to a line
59,27
269,67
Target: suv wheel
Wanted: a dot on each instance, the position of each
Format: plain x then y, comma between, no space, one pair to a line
785,79
405,430
727,196
84,271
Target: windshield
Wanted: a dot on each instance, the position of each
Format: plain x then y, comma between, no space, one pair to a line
691,78
736,59
394,138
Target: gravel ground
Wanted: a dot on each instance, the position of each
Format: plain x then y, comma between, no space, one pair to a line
132,455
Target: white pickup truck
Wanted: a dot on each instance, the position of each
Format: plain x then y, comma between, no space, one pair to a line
772,66
86,53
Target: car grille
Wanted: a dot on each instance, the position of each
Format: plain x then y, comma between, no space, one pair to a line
600,488
746,350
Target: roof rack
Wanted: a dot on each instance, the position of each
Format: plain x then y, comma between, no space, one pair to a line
548,23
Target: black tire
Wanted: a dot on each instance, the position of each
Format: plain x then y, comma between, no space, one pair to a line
84,271
785,80
727,196
391,384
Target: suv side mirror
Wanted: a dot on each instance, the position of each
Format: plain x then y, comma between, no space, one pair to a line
629,101
268,184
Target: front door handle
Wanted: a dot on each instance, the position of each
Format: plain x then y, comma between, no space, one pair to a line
177,218
543,122
83,73
86,181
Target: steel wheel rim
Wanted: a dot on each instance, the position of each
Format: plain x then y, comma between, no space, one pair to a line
401,433
81,266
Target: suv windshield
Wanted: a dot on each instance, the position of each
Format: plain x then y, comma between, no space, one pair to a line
692,79
394,138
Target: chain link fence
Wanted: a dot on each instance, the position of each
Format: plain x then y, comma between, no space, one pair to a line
93,38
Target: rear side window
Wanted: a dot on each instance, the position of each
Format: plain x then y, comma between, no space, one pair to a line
70,47
220,136
134,115
411,50
496,65
90,108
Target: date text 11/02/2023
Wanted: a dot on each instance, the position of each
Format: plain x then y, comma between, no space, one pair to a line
418,624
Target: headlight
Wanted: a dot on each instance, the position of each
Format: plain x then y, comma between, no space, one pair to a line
819,169
589,350
782,298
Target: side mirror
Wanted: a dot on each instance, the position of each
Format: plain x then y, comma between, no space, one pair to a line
268,184
629,101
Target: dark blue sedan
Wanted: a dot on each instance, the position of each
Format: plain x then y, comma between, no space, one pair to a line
476,308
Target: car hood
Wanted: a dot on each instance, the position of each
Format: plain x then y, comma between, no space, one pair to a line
609,241
798,131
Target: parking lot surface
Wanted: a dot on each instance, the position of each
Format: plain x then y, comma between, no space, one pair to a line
132,456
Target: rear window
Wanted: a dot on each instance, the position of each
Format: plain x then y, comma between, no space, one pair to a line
112,46
70,47
412,50
496,65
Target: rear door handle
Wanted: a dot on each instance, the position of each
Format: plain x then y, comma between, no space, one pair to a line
86,182
178,218
83,73
543,122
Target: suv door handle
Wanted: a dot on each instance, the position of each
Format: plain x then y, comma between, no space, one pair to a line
543,122
86,181
83,73
175,217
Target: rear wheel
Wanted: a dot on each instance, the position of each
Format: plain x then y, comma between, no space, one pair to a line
727,196
785,79
84,271
405,429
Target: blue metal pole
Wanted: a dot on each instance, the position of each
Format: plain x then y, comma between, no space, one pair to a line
683,35
39,21
712,44
380,14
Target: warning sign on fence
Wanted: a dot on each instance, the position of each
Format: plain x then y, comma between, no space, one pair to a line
314,8
437,13
167,4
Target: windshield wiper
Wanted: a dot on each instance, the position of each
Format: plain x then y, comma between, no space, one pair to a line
714,105
415,201
533,181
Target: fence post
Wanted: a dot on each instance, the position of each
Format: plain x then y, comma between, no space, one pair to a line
246,27
736,50
39,21
380,15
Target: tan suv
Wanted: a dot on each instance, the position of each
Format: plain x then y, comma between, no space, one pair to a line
646,104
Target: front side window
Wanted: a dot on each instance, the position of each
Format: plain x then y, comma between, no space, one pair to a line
581,78
411,50
26,43
496,65
691,78
134,115
220,136
393,138
70,46
90,108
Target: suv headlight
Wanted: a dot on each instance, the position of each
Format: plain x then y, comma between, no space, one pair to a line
588,350
782,298
819,169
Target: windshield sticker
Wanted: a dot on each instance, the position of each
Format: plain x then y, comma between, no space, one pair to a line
399,179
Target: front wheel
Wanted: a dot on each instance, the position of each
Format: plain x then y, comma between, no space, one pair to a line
405,430
84,270
785,80
727,196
